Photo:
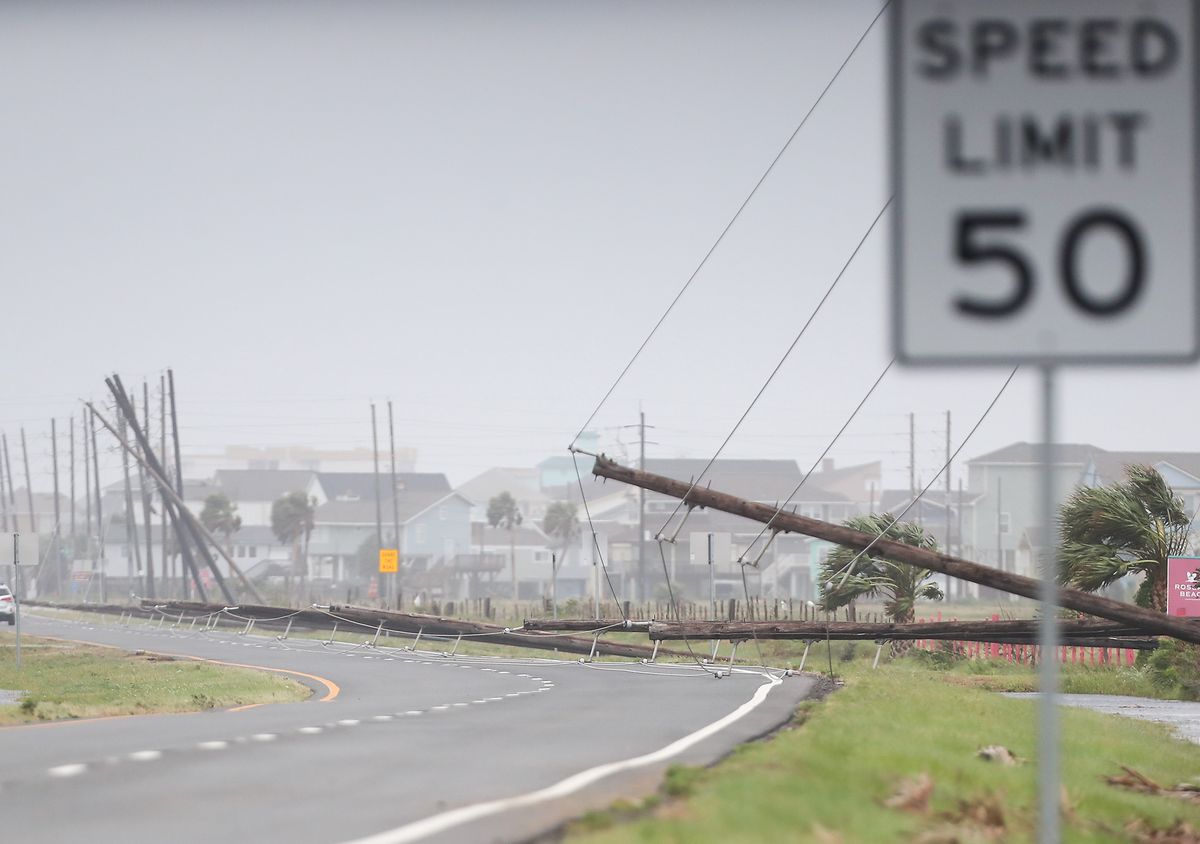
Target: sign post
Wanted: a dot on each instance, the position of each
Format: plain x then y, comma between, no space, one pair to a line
1044,160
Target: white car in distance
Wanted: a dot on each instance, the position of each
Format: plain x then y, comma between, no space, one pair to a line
8,605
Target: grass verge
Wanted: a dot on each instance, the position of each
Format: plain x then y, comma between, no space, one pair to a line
903,730
63,680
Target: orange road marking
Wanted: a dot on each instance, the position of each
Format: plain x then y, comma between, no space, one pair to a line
332,689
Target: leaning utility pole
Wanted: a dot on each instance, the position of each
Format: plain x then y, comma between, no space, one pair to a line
1151,622
99,514
378,503
394,580
147,510
28,485
56,539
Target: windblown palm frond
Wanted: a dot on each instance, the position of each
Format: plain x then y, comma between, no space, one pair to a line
899,584
1126,528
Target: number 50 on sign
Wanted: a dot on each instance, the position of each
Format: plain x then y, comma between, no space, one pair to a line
1046,177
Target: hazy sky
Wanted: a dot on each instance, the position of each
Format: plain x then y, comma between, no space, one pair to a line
477,210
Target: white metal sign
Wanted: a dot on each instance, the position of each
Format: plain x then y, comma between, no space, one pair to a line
1045,163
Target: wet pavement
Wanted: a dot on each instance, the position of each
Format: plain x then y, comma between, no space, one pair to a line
1182,716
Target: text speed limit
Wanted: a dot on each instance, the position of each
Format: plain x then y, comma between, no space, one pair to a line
1044,158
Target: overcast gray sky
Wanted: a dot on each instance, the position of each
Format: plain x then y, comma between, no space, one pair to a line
477,210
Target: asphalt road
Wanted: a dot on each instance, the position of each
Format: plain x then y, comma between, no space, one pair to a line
393,746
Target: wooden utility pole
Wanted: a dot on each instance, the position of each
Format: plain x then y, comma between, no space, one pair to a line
641,546
203,539
184,520
56,539
378,502
168,558
912,456
147,509
28,485
12,492
84,423
395,578
134,551
1028,587
183,550
4,508
99,515
71,463
951,587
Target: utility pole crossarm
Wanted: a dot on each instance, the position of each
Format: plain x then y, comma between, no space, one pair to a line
1085,602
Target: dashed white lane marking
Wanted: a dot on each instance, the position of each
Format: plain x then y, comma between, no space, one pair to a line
72,770
413,712
479,701
487,669
512,694
263,737
522,675
145,755
443,707
502,672
382,718
310,731
348,722
212,745
495,698
460,704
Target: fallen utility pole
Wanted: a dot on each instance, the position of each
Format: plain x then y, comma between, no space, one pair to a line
364,621
784,522
1100,634
615,625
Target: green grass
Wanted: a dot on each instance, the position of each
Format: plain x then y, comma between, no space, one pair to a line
67,680
827,779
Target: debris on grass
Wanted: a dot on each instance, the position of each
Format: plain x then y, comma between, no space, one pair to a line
1137,781
1179,832
982,819
999,753
912,795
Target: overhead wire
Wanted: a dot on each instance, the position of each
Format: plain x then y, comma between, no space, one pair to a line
847,569
728,226
778,366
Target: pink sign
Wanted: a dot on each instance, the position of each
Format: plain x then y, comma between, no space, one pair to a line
1183,586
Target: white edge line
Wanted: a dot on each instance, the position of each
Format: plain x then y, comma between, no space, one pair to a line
446,820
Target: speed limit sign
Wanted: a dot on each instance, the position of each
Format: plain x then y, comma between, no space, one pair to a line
1045,158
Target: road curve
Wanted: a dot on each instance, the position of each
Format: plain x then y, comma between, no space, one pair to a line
393,746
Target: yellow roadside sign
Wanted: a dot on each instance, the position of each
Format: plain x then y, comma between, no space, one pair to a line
389,560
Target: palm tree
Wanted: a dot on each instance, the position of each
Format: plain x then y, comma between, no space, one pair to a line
502,512
562,523
899,584
220,515
1129,527
292,521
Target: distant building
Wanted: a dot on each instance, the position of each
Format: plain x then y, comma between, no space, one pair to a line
203,464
